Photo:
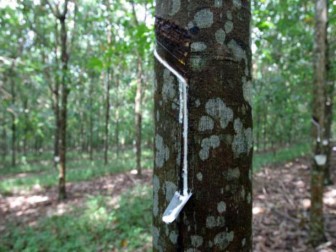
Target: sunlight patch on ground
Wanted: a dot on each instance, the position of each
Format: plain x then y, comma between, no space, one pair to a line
330,197
305,203
17,202
258,210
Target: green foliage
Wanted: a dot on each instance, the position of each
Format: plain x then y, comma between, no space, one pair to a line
78,170
282,54
97,225
280,156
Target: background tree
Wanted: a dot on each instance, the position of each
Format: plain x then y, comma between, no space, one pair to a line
320,134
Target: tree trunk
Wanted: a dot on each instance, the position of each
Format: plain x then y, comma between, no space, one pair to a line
265,126
25,133
319,162
63,109
329,103
207,43
91,121
4,142
14,133
138,118
107,116
117,118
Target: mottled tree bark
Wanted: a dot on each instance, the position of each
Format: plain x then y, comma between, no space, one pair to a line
91,119
329,103
116,115
13,115
319,133
4,147
107,116
217,65
137,104
138,118
62,101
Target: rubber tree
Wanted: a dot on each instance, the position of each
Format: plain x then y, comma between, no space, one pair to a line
319,133
208,42
64,90
329,102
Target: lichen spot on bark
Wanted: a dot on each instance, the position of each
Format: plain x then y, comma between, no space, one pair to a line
207,144
162,152
155,83
223,239
229,15
157,116
242,193
156,235
212,221
220,36
218,110
243,242
198,47
249,198
175,7
221,207
237,3
170,189
233,174
249,138
218,3
204,18
239,54
156,188
173,237
228,26
199,176
196,241
247,90
242,141
197,103
197,62
205,123
168,89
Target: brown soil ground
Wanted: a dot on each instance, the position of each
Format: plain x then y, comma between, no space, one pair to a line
280,208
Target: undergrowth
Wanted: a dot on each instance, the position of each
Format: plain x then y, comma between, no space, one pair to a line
97,226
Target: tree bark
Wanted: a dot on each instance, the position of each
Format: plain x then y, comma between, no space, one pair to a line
64,102
13,126
4,140
117,118
107,116
138,118
25,133
91,121
208,43
319,89
329,103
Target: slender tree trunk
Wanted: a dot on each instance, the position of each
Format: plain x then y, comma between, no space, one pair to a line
329,103
4,141
56,108
14,132
319,162
91,121
207,43
265,140
63,109
138,118
107,116
117,117
25,133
